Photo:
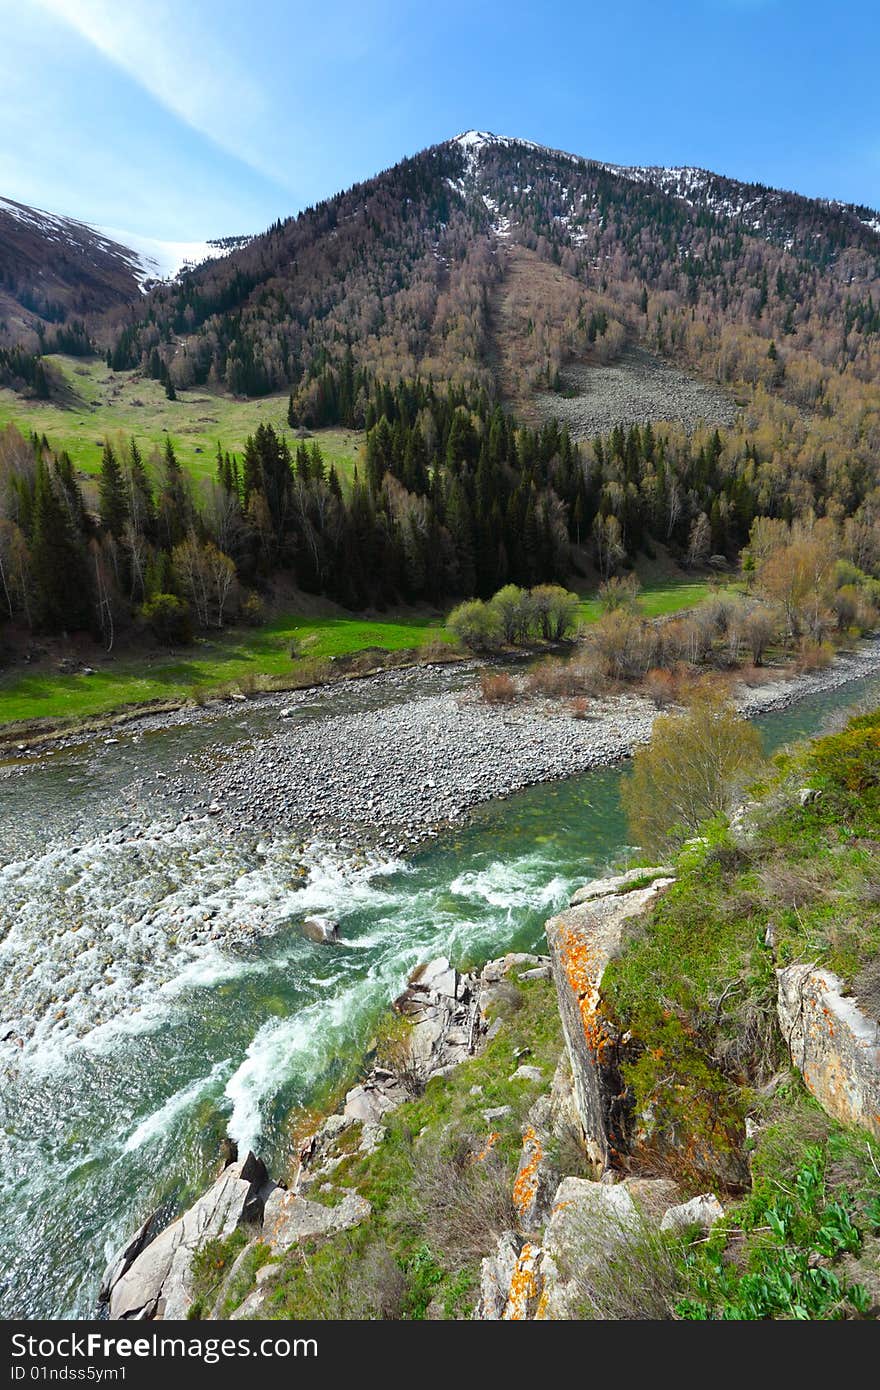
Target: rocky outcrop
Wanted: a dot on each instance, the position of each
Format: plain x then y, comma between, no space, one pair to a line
290,1218
591,1225
593,1229
582,941
833,1044
154,1279
446,1014
699,1213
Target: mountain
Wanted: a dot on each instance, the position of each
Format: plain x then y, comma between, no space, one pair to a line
497,263
693,365
56,272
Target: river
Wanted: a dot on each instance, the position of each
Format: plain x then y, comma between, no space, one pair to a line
157,993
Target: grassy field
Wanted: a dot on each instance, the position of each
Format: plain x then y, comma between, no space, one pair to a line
249,655
104,404
657,600
241,656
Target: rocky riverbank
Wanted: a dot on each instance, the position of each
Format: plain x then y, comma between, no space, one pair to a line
493,1166
400,772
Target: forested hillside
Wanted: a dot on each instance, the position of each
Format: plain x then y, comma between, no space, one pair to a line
431,307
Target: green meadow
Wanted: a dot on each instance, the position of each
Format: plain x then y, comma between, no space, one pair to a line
99,404
290,649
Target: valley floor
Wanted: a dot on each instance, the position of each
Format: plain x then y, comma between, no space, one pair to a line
245,660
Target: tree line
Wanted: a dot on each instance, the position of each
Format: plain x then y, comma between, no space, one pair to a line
451,498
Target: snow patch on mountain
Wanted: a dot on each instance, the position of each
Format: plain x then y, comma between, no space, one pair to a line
149,259
152,259
473,142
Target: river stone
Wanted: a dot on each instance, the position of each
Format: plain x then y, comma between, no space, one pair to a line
324,930
158,1282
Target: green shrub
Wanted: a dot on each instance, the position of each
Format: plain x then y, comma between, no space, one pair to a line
169,619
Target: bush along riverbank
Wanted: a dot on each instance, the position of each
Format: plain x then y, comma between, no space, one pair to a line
674,1114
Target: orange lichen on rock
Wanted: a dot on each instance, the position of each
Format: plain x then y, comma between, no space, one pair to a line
583,967
487,1148
525,1188
523,1285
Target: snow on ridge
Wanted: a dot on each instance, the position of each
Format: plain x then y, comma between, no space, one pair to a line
147,258
153,259
471,142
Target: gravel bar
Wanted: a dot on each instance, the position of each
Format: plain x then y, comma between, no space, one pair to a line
398,774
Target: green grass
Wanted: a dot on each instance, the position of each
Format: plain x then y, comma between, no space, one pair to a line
102,404
241,655
656,600
245,654
406,1247
804,1243
697,985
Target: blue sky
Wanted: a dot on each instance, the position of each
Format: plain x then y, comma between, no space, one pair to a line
204,117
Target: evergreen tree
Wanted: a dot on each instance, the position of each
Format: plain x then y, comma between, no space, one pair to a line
112,500
61,577
174,505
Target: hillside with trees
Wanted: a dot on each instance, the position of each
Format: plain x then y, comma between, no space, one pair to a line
427,307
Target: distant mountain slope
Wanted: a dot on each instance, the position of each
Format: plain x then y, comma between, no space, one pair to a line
421,268
56,271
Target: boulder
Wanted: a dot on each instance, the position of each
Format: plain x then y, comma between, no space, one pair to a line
496,1272
157,1283
833,1044
653,1196
125,1258
615,884
701,1212
290,1218
591,1225
252,1307
324,930
495,970
526,1073
524,1292
369,1102
535,1182
437,977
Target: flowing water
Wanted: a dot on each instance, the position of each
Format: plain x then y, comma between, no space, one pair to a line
157,993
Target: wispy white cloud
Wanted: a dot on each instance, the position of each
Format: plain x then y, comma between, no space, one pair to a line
178,56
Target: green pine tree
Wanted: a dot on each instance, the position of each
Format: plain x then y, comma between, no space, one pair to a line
112,499
60,570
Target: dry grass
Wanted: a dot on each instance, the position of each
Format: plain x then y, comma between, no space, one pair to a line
465,1204
497,688
813,656
866,988
794,885
661,687
622,1273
